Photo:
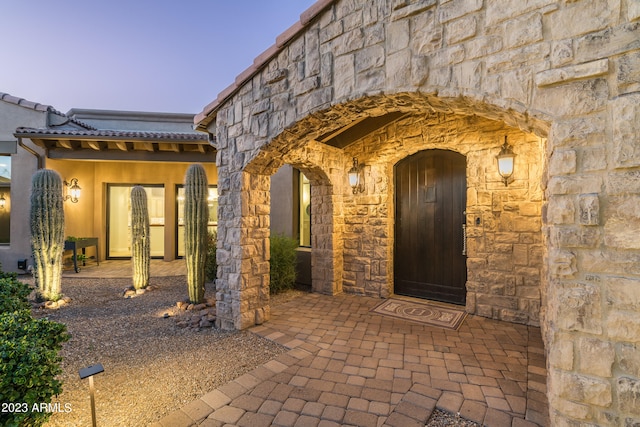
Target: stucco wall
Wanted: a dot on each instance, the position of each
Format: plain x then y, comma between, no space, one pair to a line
88,217
23,165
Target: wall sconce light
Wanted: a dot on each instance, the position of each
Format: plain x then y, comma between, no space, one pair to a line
355,180
73,193
3,201
505,159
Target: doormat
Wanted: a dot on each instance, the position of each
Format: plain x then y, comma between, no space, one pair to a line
427,312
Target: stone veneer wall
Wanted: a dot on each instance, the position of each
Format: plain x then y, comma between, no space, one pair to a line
504,249
565,70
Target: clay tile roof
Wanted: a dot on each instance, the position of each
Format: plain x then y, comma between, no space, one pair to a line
41,107
115,134
24,103
208,113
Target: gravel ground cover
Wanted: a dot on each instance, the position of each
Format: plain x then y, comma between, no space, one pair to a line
152,366
445,419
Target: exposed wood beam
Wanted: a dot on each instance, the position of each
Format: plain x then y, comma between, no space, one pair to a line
139,155
124,146
347,135
149,146
97,145
175,147
65,143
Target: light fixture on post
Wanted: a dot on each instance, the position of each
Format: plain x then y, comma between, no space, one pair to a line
505,159
355,181
73,193
3,201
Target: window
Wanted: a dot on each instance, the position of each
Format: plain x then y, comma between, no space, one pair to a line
119,221
212,201
5,199
305,211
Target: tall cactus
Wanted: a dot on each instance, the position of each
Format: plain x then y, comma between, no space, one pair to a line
196,218
140,246
47,232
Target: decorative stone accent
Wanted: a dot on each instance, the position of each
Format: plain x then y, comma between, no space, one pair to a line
581,309
562,263
629,395
589,209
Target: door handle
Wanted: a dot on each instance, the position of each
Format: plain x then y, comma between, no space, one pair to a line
464,239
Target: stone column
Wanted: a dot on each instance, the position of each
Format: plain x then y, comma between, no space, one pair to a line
326,240
243,252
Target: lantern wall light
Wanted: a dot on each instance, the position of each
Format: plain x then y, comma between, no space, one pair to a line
73,191
3,201
355,177
506,158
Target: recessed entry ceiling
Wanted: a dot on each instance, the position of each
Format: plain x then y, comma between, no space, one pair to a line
352,132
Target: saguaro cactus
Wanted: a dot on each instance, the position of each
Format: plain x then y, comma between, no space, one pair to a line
47,232
196,218
140,246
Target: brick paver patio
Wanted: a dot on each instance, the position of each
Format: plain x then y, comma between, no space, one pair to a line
347,366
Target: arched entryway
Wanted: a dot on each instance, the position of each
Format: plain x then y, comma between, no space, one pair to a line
430,248
553,247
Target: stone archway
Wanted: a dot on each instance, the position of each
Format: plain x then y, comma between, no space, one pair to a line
558,70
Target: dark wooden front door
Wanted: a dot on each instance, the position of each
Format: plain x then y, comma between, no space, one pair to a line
431,193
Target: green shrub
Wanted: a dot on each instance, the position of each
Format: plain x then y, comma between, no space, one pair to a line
13,294
211,266
29,361
283,263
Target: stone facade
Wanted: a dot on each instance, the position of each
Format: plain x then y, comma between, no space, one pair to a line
504,239
558,246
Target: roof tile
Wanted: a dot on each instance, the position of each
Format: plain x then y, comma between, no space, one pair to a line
288,34
184,136
313,10
24,103
40,107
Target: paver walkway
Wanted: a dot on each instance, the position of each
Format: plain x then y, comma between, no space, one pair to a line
348,366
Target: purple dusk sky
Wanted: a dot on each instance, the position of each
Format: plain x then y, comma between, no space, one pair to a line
138,55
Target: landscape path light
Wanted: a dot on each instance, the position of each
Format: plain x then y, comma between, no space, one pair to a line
90,372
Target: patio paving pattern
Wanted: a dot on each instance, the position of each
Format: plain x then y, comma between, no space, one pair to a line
348,366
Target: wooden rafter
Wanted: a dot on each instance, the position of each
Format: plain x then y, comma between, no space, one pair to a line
97,145
122,145
65,143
